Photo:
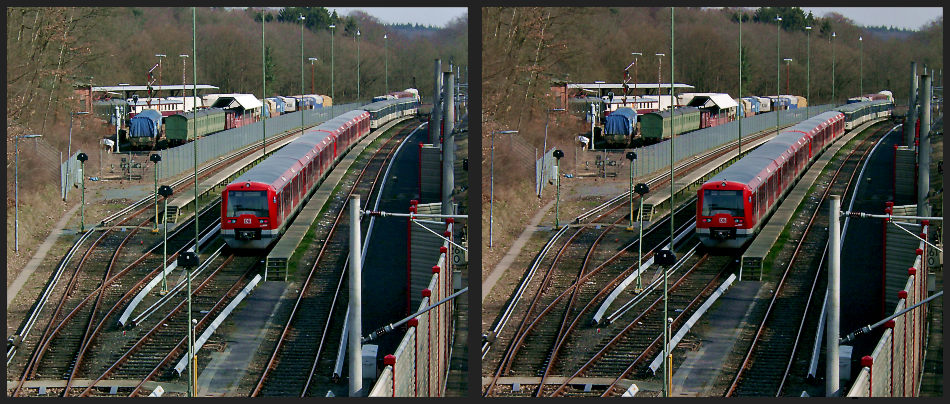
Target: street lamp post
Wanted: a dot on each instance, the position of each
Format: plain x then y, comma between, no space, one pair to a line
808,73
357,65
861,41
302,18
636,67
161,56
557,184
659,79
82,206
491,185
16,189
778,69
632,156
544,147
69,149
165,191
264,89
739,123
386,54
332,61
788,61
833,67
156,158
194,92
311,74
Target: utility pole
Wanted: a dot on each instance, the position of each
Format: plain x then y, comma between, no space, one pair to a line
355,321
834,287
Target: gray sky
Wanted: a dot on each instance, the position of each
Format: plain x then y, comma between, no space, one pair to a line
900,17
436,16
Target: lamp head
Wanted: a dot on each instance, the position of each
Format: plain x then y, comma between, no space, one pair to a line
558,154
155,157
165,191
188,259
631,155
82,157
641,189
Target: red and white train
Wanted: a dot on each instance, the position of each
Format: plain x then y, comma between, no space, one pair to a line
258,206
733,204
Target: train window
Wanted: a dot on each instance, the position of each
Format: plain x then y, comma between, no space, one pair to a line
722,201
247,203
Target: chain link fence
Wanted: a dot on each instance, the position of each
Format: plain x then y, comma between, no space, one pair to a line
895,367
177,160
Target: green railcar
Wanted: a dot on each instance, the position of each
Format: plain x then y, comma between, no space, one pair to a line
656,125
180,128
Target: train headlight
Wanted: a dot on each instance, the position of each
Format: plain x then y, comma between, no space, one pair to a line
707,220
232,220
263,221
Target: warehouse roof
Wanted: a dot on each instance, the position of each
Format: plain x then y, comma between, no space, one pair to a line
246,101
721,101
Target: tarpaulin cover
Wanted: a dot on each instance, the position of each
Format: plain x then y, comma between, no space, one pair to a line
621,122
145,123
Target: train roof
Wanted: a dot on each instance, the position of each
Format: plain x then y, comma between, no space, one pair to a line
858,105
748,170
379,105
199,113
679,111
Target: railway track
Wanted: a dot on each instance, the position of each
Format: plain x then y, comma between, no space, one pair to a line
768,360
609,213
583,249
95,293
54,291
299,365
82,303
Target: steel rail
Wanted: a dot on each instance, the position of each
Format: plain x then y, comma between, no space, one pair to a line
234,288
158,326
339,286
293,314
778,289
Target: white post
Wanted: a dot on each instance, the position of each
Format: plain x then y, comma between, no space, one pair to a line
834,282
923,154
448,144
355,321
435,119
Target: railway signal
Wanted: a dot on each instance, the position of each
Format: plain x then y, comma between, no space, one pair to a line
155,158
666,259
632,156
557,181
82,157
189,261
641,189
165,191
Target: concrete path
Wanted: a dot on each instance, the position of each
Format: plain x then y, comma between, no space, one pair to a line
251,320
514,251
40,255
696,376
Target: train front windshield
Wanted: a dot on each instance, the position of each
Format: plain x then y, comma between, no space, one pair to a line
722,201
247,203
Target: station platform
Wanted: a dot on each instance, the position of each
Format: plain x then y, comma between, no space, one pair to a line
577,381
147,388
186,196
279,257
754,256
696,376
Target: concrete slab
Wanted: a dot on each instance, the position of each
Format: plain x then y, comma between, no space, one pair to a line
697,374
251,320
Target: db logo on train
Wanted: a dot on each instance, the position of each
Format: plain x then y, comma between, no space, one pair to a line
247,221
722,220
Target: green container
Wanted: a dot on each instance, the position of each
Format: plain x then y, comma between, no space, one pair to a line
180,128
656,125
